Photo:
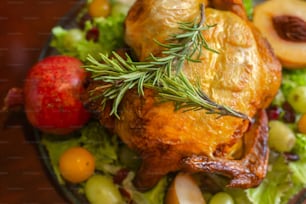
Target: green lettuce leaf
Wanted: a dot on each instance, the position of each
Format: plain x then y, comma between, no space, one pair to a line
111,32
298,168
248,5
292,79
102,145
157,194
239,195
154,196
274,185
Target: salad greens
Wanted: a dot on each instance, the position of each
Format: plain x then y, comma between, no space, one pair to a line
292,79
56,147
105,148
284,178
248,5
102,145
101,35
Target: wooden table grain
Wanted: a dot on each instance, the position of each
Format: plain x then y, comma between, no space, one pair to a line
24,29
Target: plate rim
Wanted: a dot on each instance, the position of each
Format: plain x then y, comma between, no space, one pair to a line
47,50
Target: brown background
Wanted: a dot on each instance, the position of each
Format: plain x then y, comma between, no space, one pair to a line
24,29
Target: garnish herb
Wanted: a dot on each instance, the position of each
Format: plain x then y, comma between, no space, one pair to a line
162,74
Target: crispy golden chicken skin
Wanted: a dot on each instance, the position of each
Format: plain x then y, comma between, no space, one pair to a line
244,75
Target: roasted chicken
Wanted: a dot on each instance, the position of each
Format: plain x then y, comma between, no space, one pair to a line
244,75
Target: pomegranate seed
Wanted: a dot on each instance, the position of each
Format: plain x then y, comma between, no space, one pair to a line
83,19
120,176
92,34
289,114
273,112
291,156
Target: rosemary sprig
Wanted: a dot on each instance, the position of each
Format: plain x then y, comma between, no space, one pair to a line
120,75
191,98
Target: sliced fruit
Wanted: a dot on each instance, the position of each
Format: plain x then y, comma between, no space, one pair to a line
283,23
184,190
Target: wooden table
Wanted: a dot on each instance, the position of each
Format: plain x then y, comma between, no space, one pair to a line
24,28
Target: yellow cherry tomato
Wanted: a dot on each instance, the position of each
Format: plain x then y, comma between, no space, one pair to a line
76,164
99,8
302,124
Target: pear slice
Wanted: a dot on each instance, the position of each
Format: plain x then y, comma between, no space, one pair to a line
184,190
283,23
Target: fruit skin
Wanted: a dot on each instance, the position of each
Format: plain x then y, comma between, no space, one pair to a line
99,8
302,124
101,189
52,95
185,190
221,198
281,137
291,54
76,164
297,99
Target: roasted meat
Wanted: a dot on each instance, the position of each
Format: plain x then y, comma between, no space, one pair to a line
244,75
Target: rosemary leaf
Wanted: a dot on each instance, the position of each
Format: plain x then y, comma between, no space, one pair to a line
119,97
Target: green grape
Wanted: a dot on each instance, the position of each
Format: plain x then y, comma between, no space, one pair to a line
281,137
297,99
221,198
101,189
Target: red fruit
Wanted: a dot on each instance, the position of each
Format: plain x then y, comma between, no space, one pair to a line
52,95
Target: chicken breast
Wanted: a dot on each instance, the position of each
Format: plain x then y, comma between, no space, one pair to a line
244,75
